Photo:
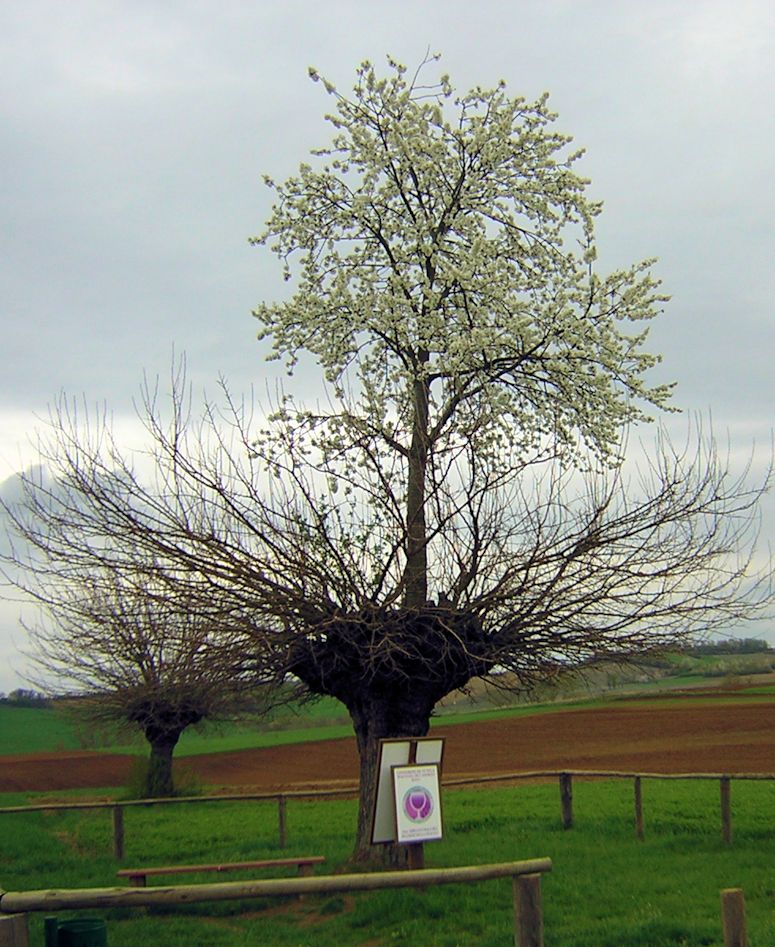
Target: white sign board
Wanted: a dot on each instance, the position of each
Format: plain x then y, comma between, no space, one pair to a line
417,802
398,753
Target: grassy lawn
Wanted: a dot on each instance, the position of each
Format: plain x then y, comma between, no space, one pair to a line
27,730
606,890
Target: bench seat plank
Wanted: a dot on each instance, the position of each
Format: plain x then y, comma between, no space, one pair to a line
137,876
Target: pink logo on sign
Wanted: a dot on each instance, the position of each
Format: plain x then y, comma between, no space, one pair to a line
418,803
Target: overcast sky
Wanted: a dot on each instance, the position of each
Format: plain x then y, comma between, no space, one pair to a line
134,136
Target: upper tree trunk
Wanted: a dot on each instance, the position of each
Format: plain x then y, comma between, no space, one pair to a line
416,569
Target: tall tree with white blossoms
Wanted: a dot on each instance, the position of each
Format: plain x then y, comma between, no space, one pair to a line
442,256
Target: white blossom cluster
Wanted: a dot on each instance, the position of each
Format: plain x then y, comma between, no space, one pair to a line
443,245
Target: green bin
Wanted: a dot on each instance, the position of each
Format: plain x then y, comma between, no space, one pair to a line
78,932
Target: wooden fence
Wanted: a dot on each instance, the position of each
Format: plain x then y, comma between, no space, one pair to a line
528,913
117,808
526,875
565,777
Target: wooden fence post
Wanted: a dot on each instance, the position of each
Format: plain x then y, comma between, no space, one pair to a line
733,917
281,820
416,856
566,799
118,832
638,809
726,809
528,916
14,931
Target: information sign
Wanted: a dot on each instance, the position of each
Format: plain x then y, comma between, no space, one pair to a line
419,751
417,803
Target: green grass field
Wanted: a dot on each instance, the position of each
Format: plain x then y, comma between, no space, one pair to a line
606,890
28,730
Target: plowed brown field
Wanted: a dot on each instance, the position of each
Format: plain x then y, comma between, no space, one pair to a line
688,736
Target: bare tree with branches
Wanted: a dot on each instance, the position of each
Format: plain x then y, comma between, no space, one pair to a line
294,567
108,633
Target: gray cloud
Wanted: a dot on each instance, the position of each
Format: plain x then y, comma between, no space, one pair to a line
134,136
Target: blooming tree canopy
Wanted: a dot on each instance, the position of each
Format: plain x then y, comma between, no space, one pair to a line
442,255
458,252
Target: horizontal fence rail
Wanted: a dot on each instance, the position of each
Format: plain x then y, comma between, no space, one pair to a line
353,790
526,875
17,902
182,800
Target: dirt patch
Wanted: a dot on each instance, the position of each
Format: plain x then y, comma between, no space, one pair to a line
77,769
687,737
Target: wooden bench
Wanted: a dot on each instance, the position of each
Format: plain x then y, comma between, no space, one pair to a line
137,876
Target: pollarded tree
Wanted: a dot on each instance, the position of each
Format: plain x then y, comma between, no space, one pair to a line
443,262
110,633
542,567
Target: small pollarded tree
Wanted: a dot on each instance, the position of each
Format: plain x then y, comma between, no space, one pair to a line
109,632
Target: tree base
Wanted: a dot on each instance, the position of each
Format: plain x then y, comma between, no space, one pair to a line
385,857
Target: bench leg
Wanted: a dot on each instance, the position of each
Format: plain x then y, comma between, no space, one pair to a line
305,871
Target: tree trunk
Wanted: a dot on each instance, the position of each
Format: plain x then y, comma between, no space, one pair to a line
389,667
376,717
159,780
